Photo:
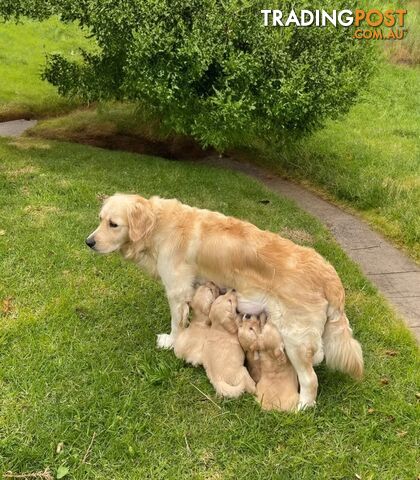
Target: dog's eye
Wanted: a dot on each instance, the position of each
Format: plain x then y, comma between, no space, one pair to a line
112,224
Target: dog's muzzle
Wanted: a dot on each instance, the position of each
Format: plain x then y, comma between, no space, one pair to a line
90,242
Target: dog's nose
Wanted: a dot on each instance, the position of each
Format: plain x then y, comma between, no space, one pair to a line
90,242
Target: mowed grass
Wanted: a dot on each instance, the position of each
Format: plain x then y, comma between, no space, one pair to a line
79,368
370,159
23,50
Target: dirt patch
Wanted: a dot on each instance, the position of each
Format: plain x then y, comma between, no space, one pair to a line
173,148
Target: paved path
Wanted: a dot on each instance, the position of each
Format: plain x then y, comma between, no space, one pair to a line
395,275
15,128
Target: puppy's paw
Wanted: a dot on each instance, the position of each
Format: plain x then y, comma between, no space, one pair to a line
165,341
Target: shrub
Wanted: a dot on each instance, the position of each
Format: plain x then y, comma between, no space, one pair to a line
209,68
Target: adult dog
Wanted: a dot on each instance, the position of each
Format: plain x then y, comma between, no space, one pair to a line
179,244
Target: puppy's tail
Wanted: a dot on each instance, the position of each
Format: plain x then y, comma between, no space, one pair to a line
342,351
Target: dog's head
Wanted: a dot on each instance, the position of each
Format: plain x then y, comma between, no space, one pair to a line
223,311
204,297
123,219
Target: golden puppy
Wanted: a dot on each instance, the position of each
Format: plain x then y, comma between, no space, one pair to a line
223,357
249,330
277,388
190,341
276,380
300,291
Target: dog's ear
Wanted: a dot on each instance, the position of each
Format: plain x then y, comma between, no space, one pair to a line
102,197
141,219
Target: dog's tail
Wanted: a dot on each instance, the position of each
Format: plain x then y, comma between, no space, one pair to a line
342,351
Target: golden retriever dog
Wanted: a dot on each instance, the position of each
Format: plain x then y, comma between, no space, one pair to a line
223,357
300,291
189,341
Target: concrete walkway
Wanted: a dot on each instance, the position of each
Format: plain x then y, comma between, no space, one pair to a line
15,128
395,275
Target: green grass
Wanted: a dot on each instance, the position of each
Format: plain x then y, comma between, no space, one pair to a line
23,49
78,360
370,159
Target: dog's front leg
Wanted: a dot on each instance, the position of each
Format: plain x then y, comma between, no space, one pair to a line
179,314
179,291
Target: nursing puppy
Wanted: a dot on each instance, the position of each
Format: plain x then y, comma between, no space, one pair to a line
223,357
249,330
300,291
276,380
277,388
190,341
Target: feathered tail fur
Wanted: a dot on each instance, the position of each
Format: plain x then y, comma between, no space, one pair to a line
342,351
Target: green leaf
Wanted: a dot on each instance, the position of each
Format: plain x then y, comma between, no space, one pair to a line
62,471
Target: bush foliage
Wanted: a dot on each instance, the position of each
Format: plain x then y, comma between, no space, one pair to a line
209,68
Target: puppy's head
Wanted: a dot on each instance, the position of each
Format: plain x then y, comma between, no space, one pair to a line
248,330
223,312
123,219
204,297
271,341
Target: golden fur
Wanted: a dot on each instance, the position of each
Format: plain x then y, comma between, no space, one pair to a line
223,357
300,290
249,330
190,341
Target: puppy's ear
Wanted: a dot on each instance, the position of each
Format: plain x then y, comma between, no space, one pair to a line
229,324
206,307
279,353
141,219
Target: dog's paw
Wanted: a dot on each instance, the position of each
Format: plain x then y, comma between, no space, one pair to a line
304,404
165,341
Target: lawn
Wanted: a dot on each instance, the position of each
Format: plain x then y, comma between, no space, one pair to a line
23,49
83,386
